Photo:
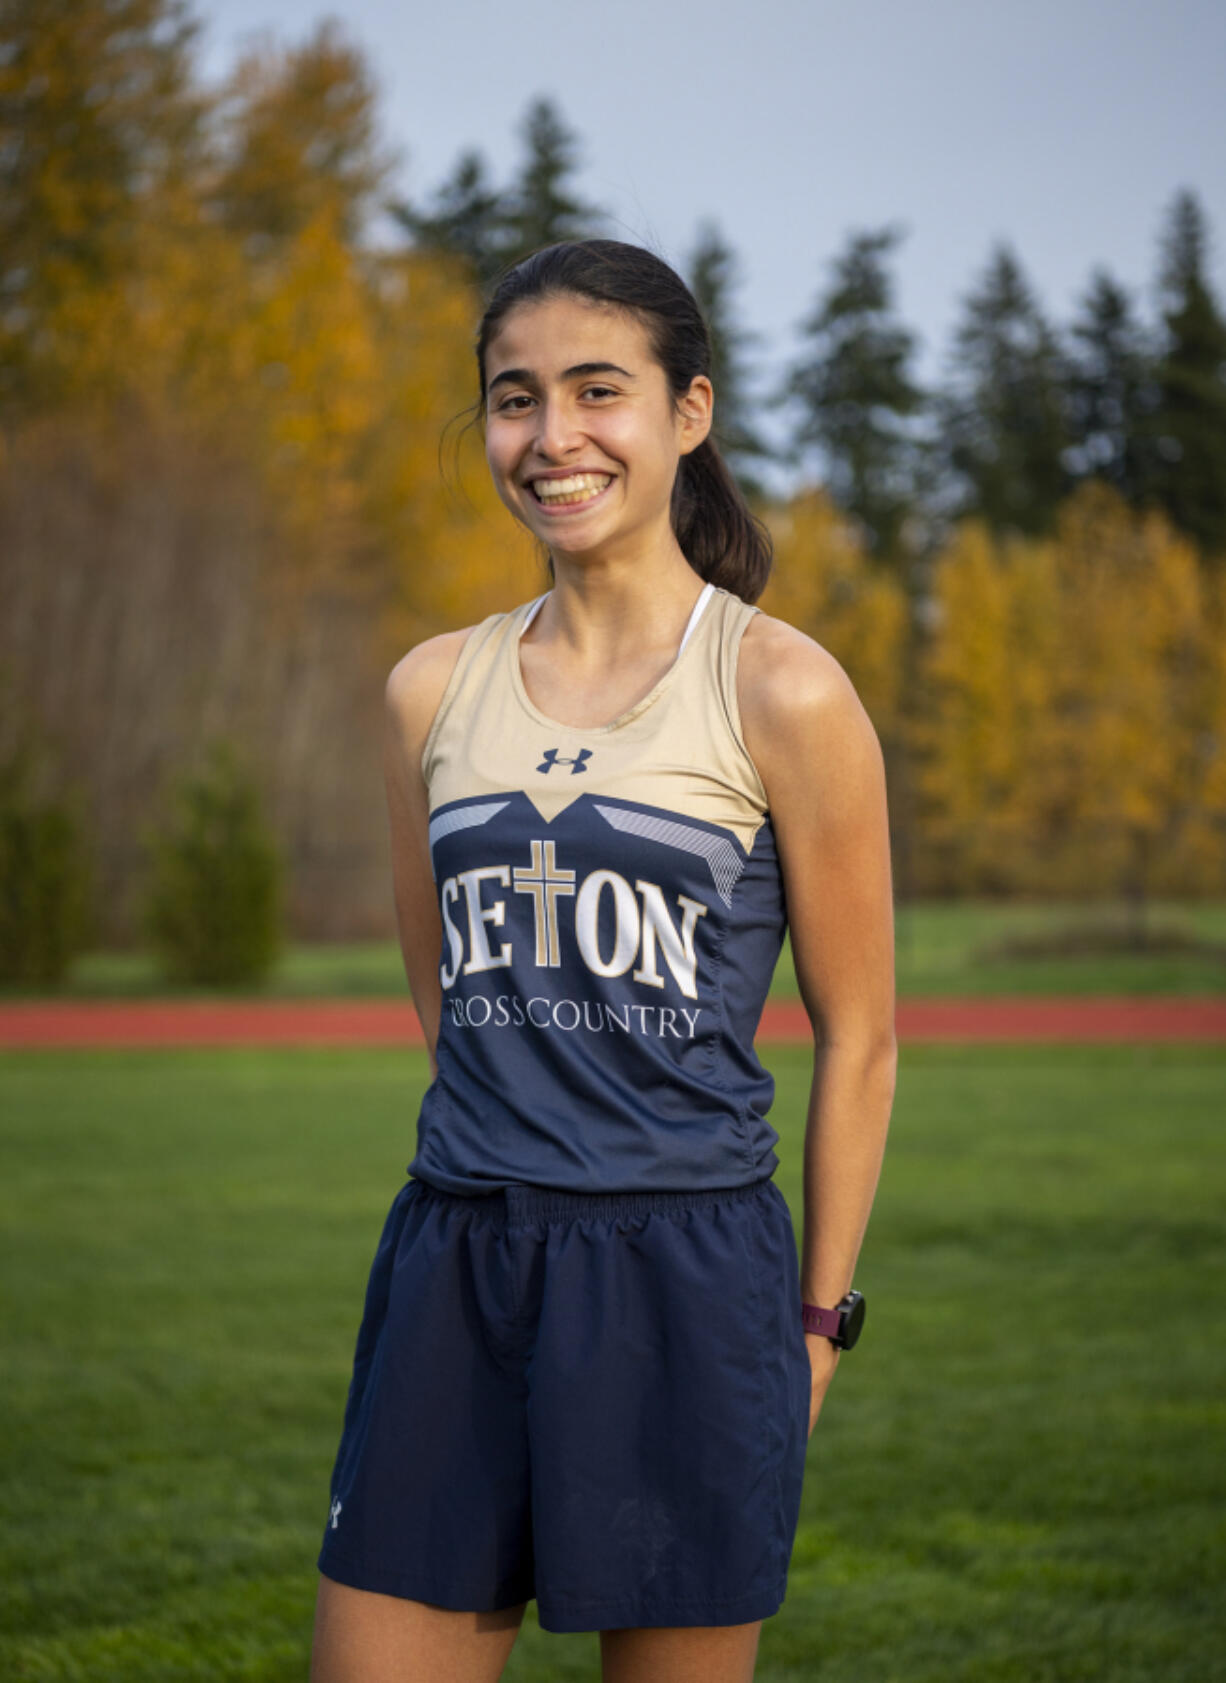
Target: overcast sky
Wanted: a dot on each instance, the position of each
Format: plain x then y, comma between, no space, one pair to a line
1062,126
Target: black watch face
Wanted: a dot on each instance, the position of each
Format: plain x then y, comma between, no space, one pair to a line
853,1322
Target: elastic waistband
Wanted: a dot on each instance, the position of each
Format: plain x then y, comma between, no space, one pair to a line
524,1205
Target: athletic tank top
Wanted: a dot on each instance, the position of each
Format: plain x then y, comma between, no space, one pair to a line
612,913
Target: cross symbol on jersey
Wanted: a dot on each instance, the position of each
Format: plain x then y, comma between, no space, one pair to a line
544,880
553,758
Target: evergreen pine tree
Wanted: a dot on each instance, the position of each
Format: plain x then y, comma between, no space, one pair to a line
542,206
855,394
1191,378
712,277
1112,393
468,218
490,228
1004,428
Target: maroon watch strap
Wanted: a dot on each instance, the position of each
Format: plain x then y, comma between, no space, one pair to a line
825,1321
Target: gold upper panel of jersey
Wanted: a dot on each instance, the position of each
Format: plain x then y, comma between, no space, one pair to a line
679,748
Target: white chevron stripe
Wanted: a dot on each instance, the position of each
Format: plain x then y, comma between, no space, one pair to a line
462,818
719,853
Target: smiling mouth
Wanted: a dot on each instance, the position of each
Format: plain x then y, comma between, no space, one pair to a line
569,493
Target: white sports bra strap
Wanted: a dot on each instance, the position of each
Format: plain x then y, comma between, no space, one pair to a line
531,614
704,597
708,590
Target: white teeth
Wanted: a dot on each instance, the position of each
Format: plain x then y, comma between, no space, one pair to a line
550,489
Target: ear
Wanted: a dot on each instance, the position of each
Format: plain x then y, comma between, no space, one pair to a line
695,412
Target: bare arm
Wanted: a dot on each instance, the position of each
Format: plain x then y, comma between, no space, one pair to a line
414,689
820,760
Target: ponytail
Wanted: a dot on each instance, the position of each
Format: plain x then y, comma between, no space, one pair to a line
722,540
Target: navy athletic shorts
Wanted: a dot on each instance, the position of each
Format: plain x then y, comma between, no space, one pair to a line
600,1400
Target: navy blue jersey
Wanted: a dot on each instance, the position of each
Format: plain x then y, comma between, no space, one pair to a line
612,913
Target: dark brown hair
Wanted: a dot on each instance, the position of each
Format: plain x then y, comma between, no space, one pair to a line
720,537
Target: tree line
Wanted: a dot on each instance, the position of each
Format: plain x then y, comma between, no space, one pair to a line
231,492
103,116
1026,412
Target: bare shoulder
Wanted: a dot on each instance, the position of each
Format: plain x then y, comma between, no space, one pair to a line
416,683
799,707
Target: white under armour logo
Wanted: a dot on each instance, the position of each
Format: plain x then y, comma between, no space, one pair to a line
336,1513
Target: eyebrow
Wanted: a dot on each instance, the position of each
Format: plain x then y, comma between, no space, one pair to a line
525,376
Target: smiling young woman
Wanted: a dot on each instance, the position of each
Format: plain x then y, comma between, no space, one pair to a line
584,1373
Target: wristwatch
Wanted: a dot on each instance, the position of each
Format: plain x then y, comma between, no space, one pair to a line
841,1325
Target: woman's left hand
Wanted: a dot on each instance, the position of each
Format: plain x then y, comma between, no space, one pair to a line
823,1359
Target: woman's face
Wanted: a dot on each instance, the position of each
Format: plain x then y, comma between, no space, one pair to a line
581,435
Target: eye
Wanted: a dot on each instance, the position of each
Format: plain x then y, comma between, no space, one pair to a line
507,402
607,390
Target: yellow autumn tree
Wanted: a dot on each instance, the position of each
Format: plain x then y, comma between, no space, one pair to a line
969,732
297,137
1064,735
1141,672
823,583
455,553
255,318
1200,855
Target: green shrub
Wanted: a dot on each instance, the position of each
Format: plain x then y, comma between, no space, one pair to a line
45,879
214,906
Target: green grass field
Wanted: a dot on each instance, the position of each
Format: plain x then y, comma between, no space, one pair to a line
1018,1475
942,948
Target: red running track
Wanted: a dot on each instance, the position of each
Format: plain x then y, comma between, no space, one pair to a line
393,1022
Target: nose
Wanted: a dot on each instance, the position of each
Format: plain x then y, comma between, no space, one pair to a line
557,430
